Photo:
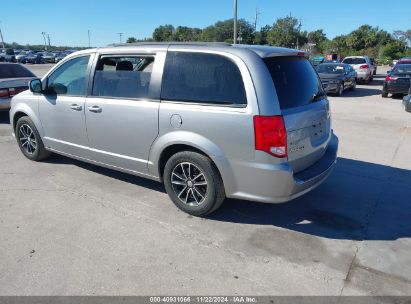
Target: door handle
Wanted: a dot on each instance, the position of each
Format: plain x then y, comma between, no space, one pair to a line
95,109
76,107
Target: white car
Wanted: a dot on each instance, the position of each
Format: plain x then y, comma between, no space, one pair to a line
363,66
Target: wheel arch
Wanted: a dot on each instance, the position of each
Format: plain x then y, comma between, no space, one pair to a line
24,110
169,144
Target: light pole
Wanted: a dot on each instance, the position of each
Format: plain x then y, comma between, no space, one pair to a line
235,21
2,41
120,35
88,33
44,37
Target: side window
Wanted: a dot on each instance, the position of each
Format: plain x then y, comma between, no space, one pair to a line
123,76
202,78
70,78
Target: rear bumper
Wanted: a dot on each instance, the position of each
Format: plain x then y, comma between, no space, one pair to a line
278,183
363,75
396,88
5,103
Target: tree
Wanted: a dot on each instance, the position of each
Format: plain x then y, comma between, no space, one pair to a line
163,33
286,32
184,33
131,40
319,38
222,31
261,36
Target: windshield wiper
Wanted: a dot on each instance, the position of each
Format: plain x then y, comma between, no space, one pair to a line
317,96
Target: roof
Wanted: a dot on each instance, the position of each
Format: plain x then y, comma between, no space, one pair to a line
261,50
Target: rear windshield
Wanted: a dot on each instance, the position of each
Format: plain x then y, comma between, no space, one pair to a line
296,82
14,71
354,61
402,69
330,69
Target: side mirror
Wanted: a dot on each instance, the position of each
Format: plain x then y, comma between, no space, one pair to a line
36,86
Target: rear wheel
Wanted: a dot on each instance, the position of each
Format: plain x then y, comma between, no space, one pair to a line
29,140
193,183
384,94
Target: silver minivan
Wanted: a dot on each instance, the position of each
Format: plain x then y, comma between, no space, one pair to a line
210,121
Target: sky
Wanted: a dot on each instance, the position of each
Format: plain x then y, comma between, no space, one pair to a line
68,22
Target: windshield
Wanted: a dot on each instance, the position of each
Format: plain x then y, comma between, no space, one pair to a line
296,82
354,61
14,71
402,69
330,69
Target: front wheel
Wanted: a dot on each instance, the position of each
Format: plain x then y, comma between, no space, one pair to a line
193,183
340,89
29,140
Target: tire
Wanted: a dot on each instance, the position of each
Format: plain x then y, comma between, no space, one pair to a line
384,94
353,85
33,148
182,172
340,89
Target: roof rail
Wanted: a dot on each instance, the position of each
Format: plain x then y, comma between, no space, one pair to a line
170,43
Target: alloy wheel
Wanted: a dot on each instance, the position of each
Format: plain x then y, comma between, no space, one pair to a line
27,139
189,184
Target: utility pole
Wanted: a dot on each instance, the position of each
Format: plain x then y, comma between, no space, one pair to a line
44,37
88,33
120,35
255,19
48,38
235,21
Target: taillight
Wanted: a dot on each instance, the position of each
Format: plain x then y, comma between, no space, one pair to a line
390,78
270,135
4,93
365,66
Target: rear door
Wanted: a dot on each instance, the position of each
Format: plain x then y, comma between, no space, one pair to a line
122,109
304,107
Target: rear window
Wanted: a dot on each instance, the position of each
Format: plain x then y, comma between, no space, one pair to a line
296,82
14,71
202,78
354,61
402,69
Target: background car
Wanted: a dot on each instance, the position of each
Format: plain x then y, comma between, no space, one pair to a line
49,57
9,56
337,77
36,58
21,57
398,80
60,56
14,78
362,65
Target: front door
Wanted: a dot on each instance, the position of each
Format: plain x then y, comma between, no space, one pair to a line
122,111
62,108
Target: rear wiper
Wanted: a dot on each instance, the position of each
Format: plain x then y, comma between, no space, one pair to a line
317,96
